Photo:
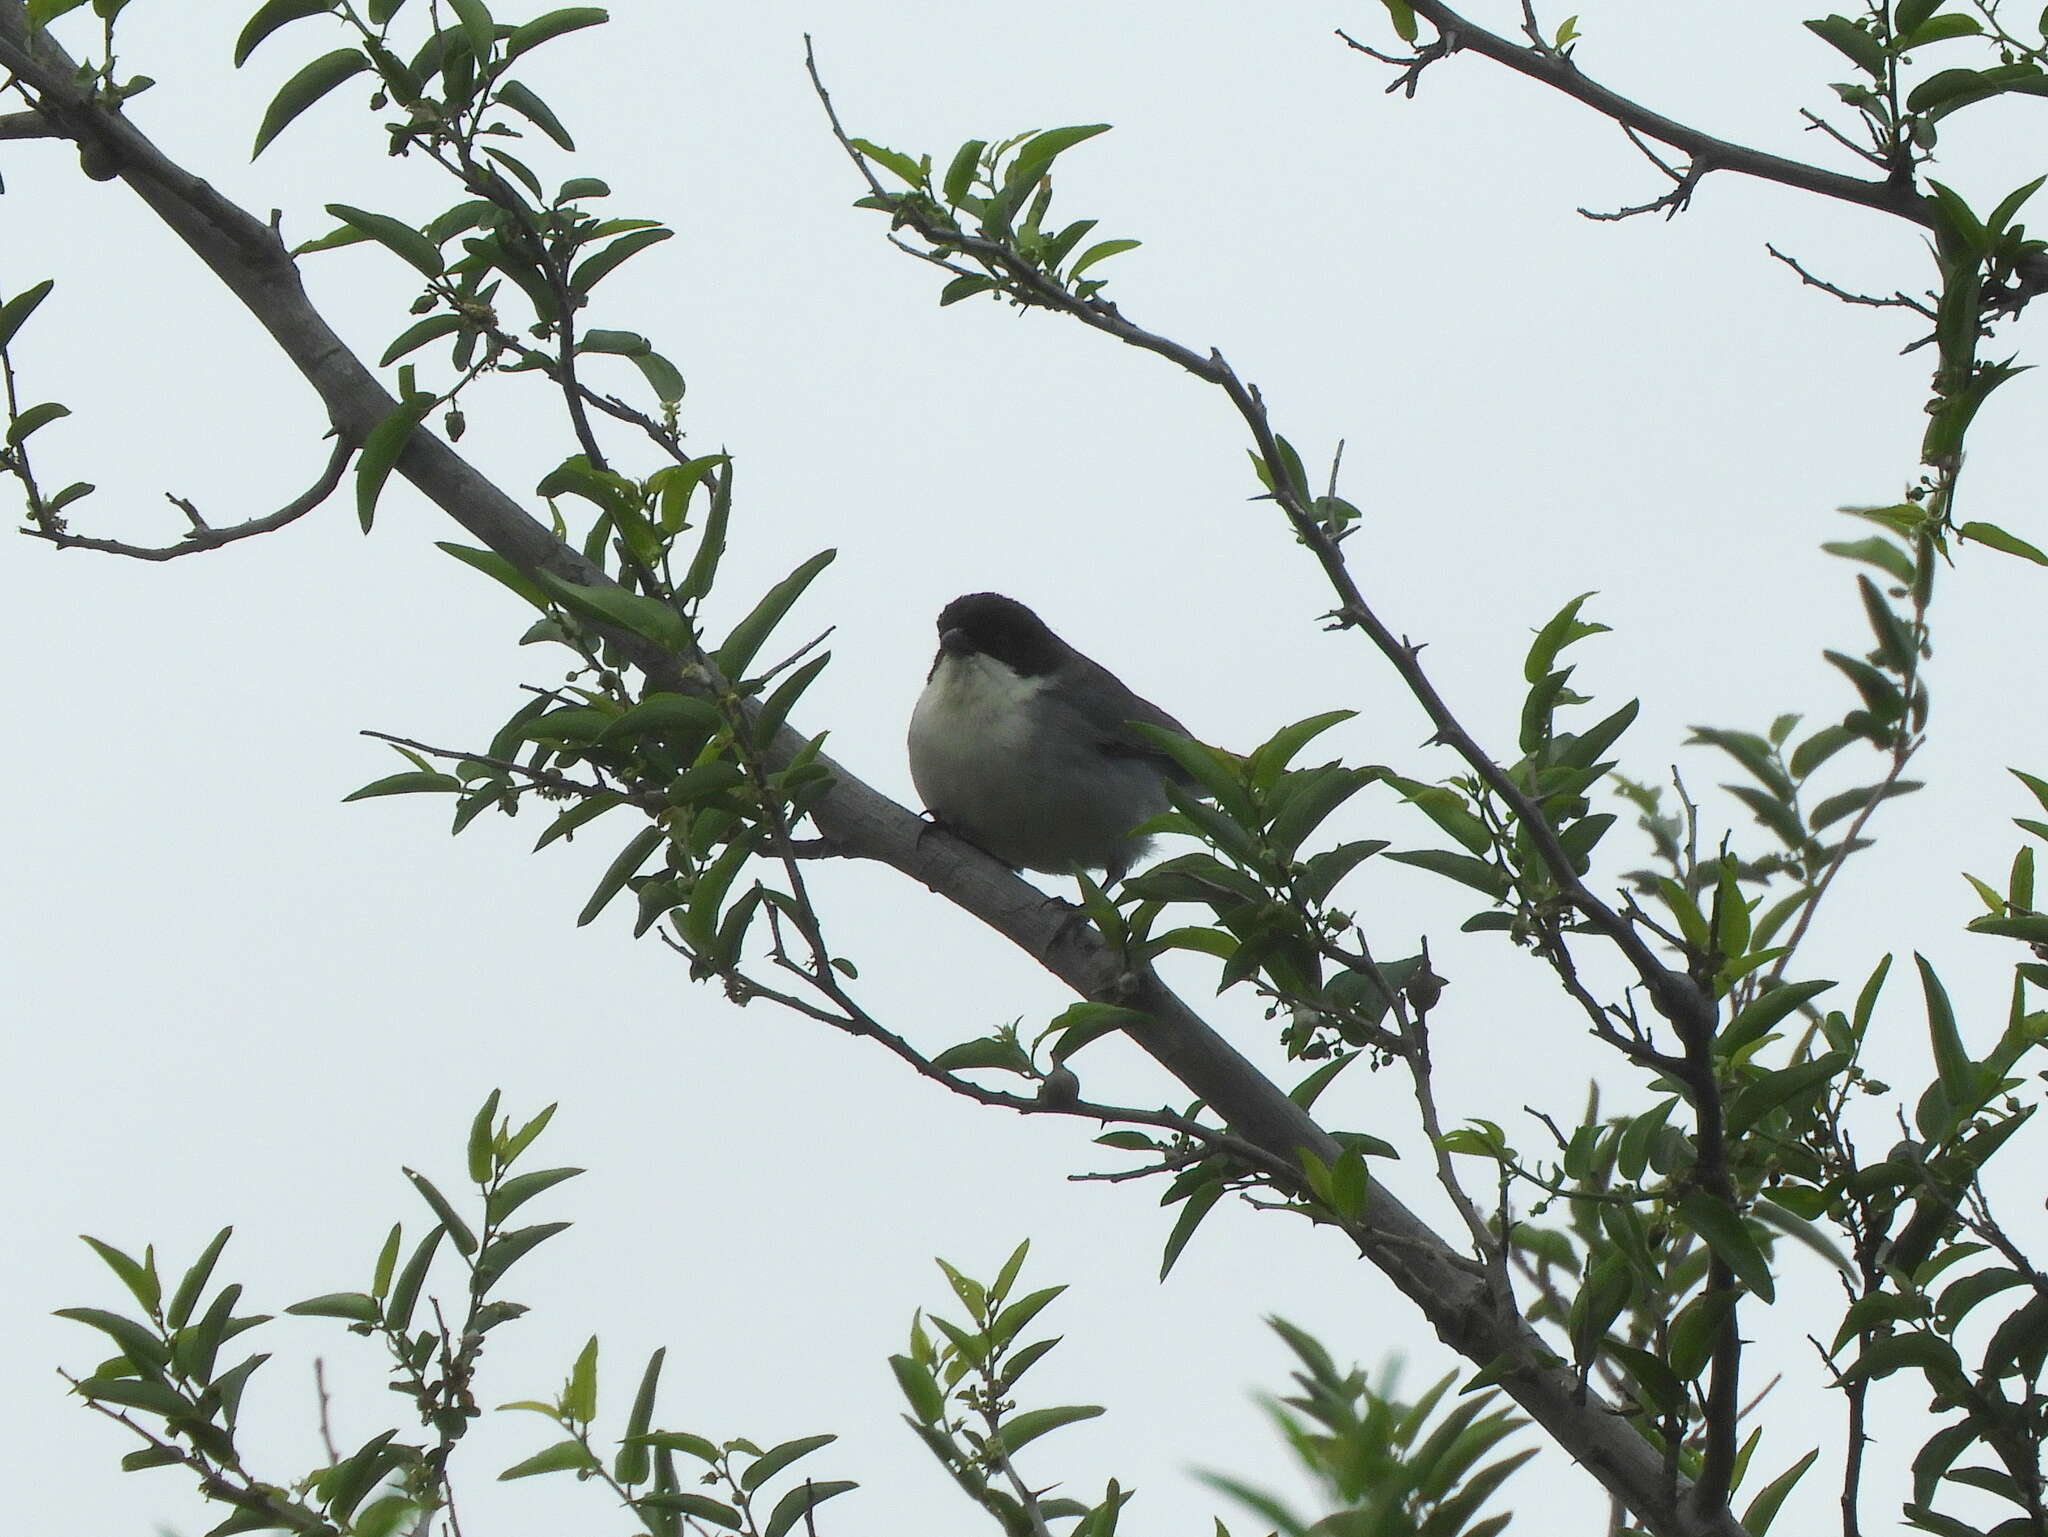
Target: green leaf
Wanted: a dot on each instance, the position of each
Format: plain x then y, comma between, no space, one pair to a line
498,568
1848,802
1863,49
405,1291
1763,1510
644,616
1894,1352
42,12
354,1306
562,1457
751,633
898,164
413,337
272,16
1448,809
1312,796
1818,748
1757,1099
1101,251
1937,29
592,270
520,1189
1881,553
678,716
502,1253
965,287
1269,761
187,1295
387,1261
959,179
381,450
1563,628
137,1341
1752,752
701,1507
1984,533
991,1051
1192,1211
2031,927
662,376
554,24
1019,1430
140,1278
1039,151
776,1458
17,310
1894,642
1957,1072
927,1400
1729,1237
412,782
457,1228
800,1502
1010,1322
1462,868
622,869
775,709
1080,1023
477,26
1763,1012
33,419
535,111
711,540
305,88
579,1395
394,236
133,1393
1950,90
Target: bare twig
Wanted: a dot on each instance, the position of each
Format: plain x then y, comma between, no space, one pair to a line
1815,123
1897,300
326,1411
1547,67
545,778
201,535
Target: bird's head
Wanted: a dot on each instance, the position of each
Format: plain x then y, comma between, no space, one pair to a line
1002,629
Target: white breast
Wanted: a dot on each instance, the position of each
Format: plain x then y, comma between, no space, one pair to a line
989,765
969,728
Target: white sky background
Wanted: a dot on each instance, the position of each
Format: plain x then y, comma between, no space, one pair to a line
236,999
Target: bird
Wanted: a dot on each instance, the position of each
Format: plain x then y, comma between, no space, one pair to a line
1024,747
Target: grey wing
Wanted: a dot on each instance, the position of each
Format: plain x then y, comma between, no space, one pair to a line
1107,707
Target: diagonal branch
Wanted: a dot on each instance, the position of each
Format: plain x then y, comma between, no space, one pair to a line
1552,1394
254,265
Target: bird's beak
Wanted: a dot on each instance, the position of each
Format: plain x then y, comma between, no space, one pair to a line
955,643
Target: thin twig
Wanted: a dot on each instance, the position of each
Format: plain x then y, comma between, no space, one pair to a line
326,1409
202,535
1898,300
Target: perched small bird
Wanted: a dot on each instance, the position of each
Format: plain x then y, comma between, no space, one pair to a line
1024,747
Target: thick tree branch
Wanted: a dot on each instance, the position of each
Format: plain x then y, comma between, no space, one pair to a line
26,125
253,263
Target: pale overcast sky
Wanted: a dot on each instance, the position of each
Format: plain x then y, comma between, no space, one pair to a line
235,999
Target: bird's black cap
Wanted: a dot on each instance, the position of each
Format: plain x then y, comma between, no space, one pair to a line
1002,628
